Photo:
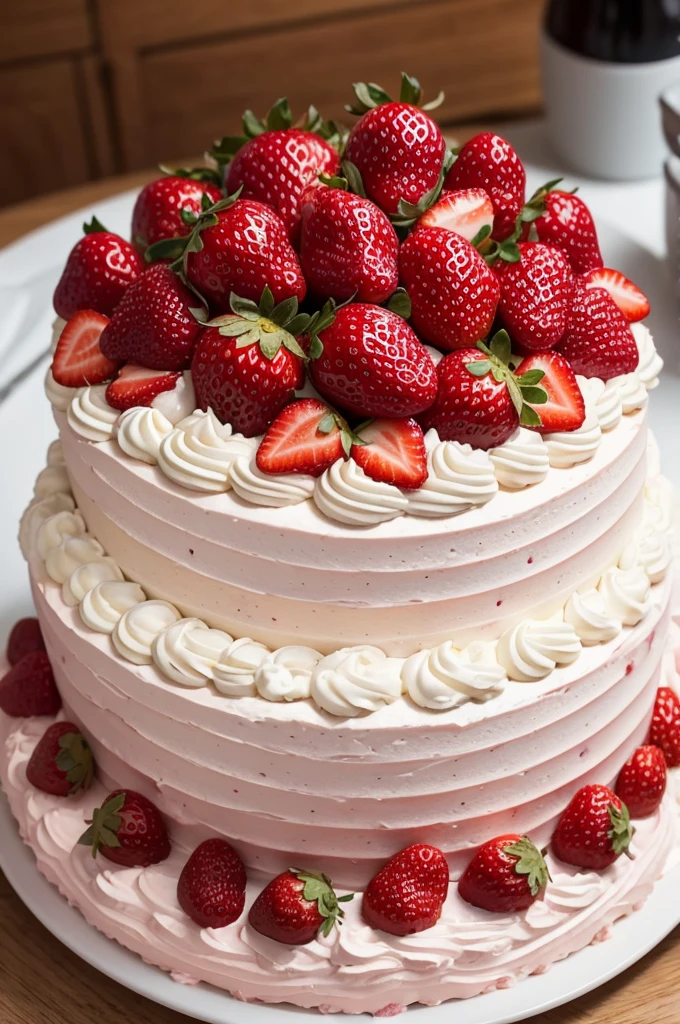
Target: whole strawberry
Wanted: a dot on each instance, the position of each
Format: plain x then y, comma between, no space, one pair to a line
598,341
594,830
480,400
396,148
665,728
62,762
642,781
296,906
24,638
564,220
369,362
348,247
128,830
453,293
29,688
274,161
408,893
488,161
505,876
99,269
212,886
154,326
248,363
169,207
536,294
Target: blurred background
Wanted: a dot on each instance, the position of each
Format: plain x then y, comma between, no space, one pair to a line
91,88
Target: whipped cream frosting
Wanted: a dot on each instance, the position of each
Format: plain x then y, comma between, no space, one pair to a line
346,494
102,608
459,478
53,530
36,514
632,392
53,479
356,680
91,416
522,461
188,651
58,396
235,670
446,677
139,432
532,650
626,593
199,451
275,490
286,674
55,454
58,325
138,627
569,447
589,615
179,402
608,404
62,561
86,577
650,362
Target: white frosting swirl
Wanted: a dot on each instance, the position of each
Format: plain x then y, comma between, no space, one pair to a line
271,489
58,325
632,392
138,627
356,680
177,403
140,431
532,650
234,673
608,404
188,651
62,562
346,494
626,593
651,549
55,454
650,363
521,461
587,612
58,396
53,530
286,674
102,608
91,416
86,577
660,507
51,480
199,452
447,677
36,514
459,478
567,448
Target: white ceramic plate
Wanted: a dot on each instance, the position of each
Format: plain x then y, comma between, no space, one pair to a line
29,270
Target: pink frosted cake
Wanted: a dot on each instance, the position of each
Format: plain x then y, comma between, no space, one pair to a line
328,590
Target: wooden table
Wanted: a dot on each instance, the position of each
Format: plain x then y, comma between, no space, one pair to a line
42,982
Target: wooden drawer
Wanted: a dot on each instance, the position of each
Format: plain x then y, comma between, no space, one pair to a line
39,28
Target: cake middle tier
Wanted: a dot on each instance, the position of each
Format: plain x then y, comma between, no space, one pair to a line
290,576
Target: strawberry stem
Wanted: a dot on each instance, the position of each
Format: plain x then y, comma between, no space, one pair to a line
319,889
530,862
75,759
522,389
106,821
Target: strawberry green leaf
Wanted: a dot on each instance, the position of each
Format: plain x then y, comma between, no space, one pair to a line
252,125
621,832
292,344
251,338
299,324
166,249
501,346
224,150
533,395
510,252
531,377
326,424
411,91
266,301
400,303
188,217
529,417
480,368
279,116
319,889
284,312
270,344
315,347
368,95
235,328
94,225
353,177
104,825
515,394
313,121
334,181
433,104
481,235
244,307
75,759
530,862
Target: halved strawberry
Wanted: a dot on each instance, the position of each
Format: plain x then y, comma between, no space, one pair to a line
392,451
306,437
565,408
633,303
78,359
137,385
466,212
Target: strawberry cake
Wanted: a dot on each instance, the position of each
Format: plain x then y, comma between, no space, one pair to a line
353,679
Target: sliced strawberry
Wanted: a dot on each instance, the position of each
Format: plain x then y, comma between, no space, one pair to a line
466,212
137,385
565,408
633,303
78,359
306,437
393,451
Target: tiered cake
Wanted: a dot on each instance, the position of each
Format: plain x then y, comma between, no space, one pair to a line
338,642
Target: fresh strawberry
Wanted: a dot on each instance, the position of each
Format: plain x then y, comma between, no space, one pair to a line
78,359
306,437
665,728
136,385
99,269
565,408
564,220
598,341
274,160
168,207
453,293
480,400
369,362
25,637
396,148
633,303
594,830
248,363
348,247
535,295
392,451
128,830
467,212
296,906
642,781
505,876
153,326
408,893
29,688
62,762
212,886
488,161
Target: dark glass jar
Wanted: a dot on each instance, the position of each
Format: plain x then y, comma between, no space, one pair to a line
621,31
